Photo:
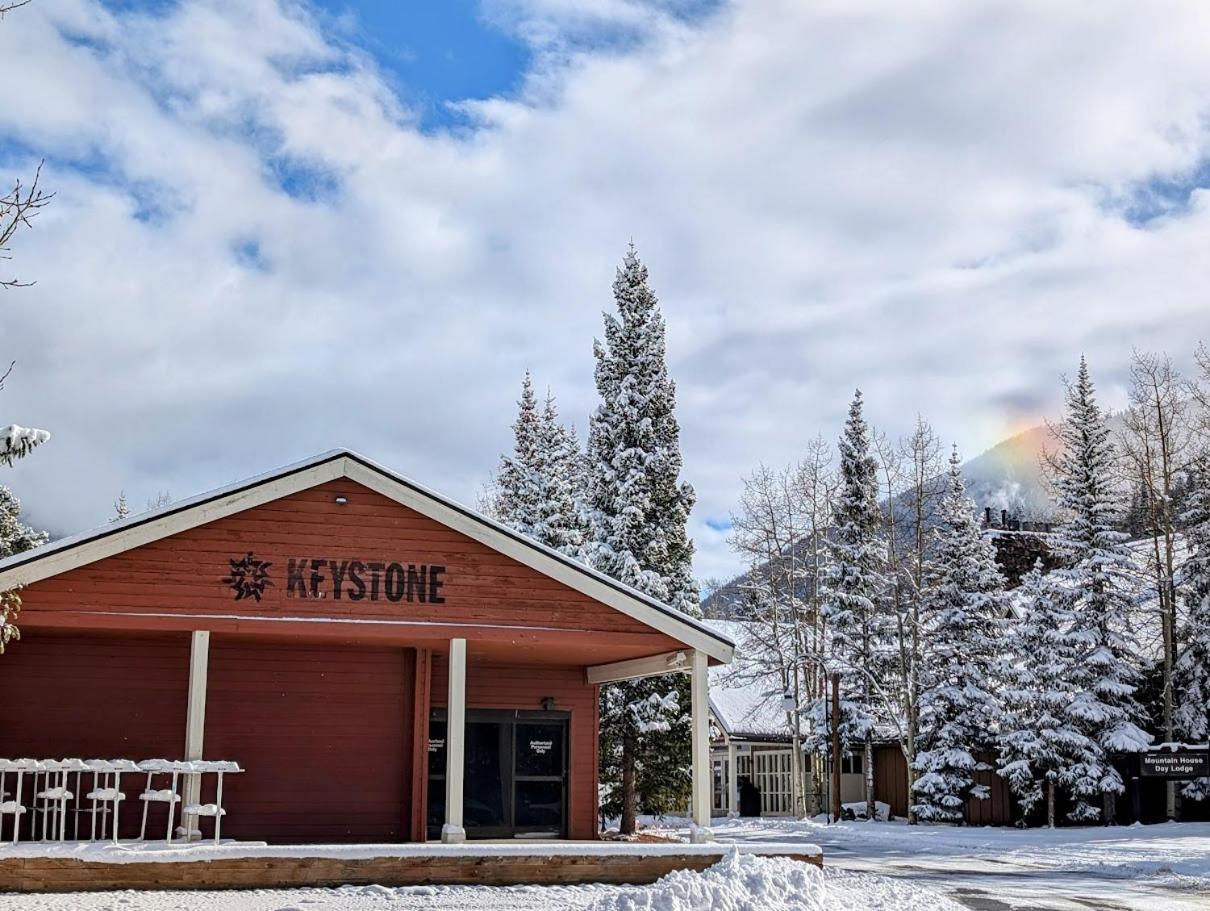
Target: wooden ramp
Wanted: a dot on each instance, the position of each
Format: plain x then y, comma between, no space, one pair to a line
80,868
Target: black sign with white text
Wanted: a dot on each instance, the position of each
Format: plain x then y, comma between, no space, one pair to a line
1183,764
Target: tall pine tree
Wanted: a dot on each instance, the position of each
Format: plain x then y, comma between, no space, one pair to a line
517,492
1042,747
638,510
539,487
1191,677
962,618
1093,579
561,520
15,537
857,627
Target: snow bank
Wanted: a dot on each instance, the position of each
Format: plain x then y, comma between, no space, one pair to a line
739,882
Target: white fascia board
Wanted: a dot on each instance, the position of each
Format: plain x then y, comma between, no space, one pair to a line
718,716
634,668
582,579
66,555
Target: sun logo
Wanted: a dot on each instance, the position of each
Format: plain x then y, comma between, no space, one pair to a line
249,577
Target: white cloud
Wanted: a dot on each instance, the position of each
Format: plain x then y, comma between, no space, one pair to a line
926,200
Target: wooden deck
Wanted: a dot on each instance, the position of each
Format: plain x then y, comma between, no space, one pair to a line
69,868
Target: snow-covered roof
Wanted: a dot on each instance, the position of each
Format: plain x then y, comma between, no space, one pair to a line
134,531
747,707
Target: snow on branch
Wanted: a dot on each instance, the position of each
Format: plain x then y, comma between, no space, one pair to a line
16,442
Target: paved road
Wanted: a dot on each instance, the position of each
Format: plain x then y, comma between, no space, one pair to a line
995,884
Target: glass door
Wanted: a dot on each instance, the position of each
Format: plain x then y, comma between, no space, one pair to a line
540,778
516,774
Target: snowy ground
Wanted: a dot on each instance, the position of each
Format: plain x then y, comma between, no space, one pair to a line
868,867
1140,868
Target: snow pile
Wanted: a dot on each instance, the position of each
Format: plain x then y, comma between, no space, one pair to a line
739,882
857,810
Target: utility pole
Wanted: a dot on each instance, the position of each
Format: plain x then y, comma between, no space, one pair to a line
836,746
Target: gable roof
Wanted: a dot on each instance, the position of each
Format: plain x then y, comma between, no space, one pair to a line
90,546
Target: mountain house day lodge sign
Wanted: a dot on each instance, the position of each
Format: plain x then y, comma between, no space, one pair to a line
355,580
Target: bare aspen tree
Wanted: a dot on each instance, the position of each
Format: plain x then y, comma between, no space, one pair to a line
1156,445
767,531
816,484
891,465
922,462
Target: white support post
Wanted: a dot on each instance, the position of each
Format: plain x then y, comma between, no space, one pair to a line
700,720
455,744
195,722
732,780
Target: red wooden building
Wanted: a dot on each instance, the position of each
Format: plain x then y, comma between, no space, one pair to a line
385,664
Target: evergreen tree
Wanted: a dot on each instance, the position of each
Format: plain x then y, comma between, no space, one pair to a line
638,510
517,495
1093,580
961,613
857,627
15,537
538,489
1042,747
561,522
1191,677
120,508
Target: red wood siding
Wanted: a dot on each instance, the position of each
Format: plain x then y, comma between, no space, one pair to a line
325,737
181,576
502,687
95,697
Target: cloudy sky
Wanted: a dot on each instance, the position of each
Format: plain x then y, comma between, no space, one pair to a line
281,227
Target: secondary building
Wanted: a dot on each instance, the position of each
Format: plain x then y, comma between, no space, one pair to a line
385,664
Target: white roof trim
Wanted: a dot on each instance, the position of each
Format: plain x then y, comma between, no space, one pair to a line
89,547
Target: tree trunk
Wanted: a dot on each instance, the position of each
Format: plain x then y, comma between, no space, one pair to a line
628,825
1050,804
1109,799
869,777
836,808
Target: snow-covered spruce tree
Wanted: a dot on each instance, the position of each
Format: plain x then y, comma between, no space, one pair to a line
1191,677
516,495
962,618
539,488
1093,579
858,629
561,522
15,537
1042,748
121,509
638,509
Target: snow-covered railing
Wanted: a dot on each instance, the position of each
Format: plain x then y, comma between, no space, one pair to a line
58,784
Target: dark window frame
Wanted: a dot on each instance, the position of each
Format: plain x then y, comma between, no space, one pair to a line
512,718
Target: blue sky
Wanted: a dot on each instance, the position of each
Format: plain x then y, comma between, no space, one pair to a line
271,236
439,50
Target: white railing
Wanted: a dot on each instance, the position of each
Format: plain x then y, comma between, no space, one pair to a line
50,795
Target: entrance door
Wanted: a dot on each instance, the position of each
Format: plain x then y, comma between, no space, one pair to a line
516,775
